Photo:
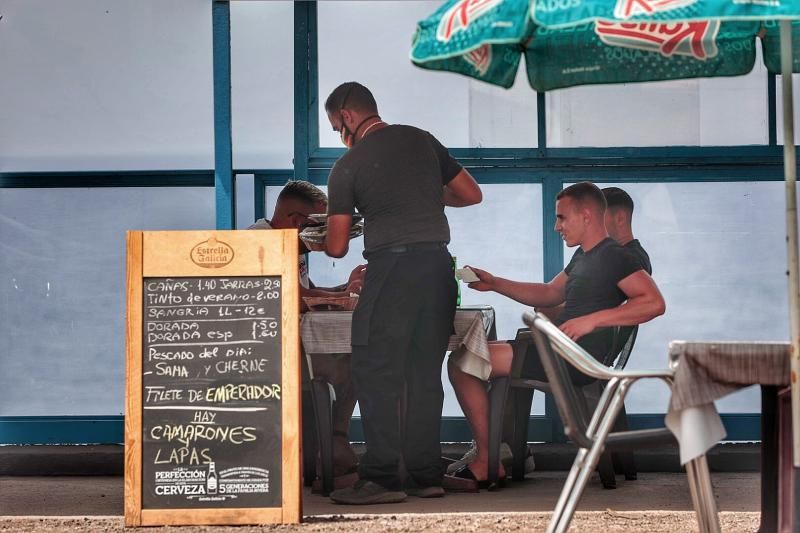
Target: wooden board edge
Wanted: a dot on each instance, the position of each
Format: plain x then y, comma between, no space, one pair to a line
133,382
169,253
291,376
291,509
212,517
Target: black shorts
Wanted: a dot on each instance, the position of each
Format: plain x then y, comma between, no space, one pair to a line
598,343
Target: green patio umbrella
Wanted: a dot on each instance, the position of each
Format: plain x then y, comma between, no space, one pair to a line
580,42
482,39
640,16
486,39
567,13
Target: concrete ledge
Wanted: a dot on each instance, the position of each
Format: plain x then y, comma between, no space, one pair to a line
725,457
108,460
105,460
95,430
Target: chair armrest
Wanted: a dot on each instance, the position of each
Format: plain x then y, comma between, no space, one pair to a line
575,355
522,341
628,335
640,438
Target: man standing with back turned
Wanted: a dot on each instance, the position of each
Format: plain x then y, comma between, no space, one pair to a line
399,178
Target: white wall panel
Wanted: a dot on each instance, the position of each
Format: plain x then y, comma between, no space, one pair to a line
369,42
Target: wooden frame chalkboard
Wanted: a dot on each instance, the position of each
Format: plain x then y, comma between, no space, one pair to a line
212,410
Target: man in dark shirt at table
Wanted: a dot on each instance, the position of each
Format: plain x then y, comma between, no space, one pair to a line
618,219
295,203
618,222
400,178
602,286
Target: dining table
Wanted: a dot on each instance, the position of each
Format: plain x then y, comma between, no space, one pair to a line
328,332
707,371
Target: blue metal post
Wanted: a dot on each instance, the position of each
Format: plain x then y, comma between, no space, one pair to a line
553,245
306,90
553,264
259,191
772,110
541,123
223,145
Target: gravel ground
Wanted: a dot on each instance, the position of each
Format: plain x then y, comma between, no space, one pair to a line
605,521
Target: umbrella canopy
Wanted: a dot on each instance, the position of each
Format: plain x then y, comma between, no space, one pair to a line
627,14
577,42
485,39
565,13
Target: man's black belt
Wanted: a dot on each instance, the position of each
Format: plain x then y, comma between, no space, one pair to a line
406,248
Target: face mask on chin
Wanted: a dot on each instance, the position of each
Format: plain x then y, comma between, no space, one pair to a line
346,137
349,138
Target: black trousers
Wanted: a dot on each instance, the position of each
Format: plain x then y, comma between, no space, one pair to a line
400,331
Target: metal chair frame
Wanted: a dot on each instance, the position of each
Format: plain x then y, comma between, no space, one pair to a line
521,390
596,435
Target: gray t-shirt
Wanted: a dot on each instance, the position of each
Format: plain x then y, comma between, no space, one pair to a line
635,247
394,177
592,279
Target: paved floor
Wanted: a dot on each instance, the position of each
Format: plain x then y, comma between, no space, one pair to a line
102,496
657,502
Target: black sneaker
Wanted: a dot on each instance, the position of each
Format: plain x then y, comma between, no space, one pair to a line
425,492
367,493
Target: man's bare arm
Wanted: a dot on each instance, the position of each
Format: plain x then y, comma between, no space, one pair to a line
352,285
322,292
337,241
644,303
527,293
551,312
462,191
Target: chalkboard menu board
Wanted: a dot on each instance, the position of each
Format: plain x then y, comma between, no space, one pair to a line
212,421
211,375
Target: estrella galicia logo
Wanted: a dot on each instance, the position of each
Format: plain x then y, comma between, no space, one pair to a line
212,254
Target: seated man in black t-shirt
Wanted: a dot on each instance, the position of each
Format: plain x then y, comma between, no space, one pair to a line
618,222
600,278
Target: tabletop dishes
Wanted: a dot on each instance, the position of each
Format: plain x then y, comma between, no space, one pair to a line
331,303
315,232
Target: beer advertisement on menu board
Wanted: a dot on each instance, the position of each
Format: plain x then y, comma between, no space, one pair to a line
212,422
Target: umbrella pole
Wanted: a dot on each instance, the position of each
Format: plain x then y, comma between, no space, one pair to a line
790,173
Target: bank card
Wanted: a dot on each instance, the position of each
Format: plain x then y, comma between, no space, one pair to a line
466,275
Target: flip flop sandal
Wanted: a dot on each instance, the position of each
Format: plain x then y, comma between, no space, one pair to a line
463,480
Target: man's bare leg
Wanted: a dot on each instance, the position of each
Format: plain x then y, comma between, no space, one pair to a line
474,401
335,369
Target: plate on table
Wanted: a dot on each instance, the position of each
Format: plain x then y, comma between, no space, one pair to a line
320,219
331,303
316,234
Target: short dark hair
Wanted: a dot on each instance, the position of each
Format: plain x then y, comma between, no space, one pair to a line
584,192
306,192
617,198
351,95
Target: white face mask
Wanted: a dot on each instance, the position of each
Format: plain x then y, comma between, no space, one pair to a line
348,139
